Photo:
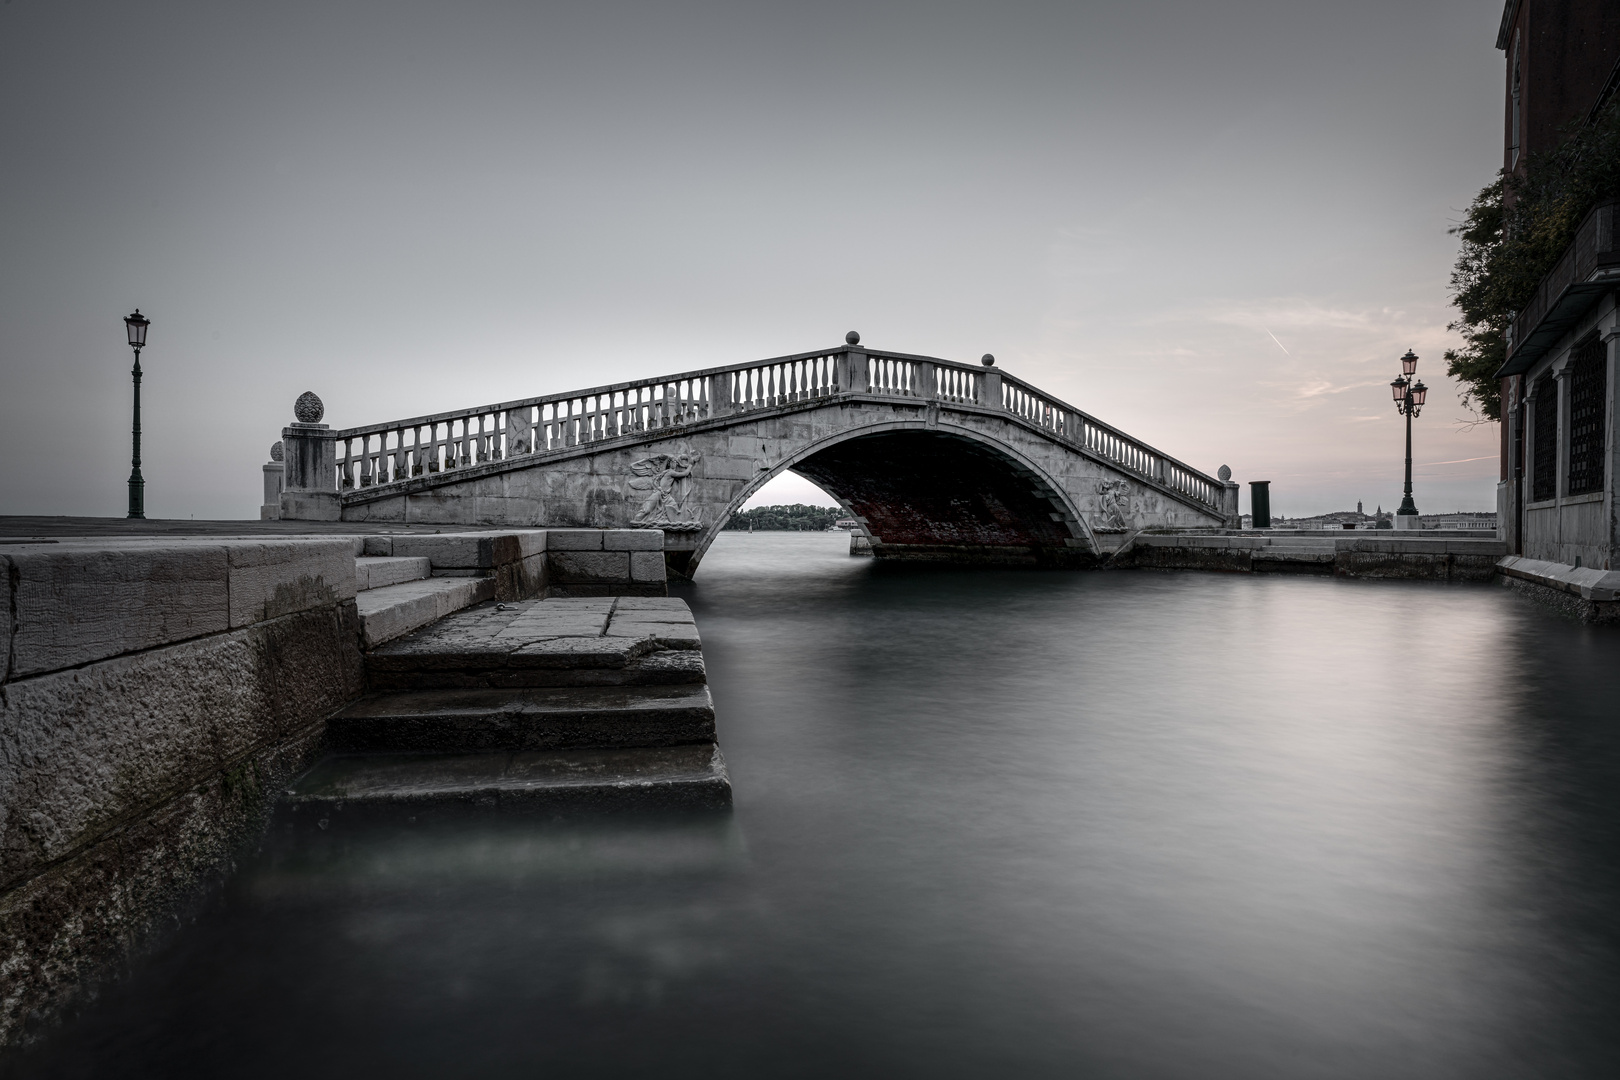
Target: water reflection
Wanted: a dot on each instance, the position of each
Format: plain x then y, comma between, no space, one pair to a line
1115,824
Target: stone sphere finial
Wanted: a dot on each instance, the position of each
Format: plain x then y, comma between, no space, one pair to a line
852,338
276,452
308,408
1225,473
987,360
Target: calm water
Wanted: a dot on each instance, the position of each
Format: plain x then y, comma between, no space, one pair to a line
1020,824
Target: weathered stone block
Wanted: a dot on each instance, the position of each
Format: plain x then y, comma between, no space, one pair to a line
590,566
78,604
574,540
647,566
269,579
468,551
303,505
633,540
316,665
86,914
730,468
82,748
8,604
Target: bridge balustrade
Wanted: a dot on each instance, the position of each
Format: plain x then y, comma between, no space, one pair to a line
400,450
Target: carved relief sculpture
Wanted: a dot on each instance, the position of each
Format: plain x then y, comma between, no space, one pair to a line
1114,504
663,484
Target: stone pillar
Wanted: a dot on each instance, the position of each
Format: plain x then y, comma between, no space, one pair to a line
927,384
1611,454
721,391
1561,485
310,460
274,480
1509,488
854,365
989,383
1231,515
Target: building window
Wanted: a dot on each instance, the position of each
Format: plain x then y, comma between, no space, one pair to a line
1588,389
1544,441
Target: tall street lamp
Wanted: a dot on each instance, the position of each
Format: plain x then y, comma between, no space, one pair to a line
1409,394
136,324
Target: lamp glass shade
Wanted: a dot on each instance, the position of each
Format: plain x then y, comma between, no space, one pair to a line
136,324
1398,389
1409,363
1419,392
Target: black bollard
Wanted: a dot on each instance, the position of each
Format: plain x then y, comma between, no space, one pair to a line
1260,503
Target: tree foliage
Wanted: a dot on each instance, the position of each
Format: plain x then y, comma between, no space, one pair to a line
1512,235
795,518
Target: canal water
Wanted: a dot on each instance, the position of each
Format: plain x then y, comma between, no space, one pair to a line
987,823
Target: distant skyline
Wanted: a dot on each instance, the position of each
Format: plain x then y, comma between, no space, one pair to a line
1214,226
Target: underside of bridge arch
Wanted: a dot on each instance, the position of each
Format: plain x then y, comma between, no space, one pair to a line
934,496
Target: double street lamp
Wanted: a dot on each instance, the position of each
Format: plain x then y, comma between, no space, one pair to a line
1409,394
136,324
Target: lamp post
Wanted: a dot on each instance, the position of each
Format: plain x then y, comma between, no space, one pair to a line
1409,394
136,324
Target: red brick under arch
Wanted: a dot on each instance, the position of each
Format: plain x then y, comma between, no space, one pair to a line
931,495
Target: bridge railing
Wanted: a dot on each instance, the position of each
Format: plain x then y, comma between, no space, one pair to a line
376,454
1129,454
902,375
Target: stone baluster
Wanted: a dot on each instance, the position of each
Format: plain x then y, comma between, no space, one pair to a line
401,457
989,383
309,457
275,477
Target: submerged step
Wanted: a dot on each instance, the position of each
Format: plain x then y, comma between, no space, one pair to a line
360,786
483,719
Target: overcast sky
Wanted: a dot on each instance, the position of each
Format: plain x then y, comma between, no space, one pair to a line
1216,226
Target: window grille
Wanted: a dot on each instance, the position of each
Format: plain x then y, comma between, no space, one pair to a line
1588,379
1544,441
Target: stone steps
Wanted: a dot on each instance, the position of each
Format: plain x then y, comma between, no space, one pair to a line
360,787
486,720
535,704
376,572
392,611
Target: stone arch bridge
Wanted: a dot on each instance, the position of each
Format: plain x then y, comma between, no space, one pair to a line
938,460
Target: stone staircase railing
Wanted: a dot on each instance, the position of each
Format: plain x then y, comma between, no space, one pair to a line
319,460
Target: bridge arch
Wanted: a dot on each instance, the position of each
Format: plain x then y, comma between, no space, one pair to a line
934,492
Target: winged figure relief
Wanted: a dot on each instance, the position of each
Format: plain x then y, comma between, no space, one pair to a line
1114,503
663,484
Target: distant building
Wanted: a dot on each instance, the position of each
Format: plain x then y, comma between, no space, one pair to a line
1339,520
1472,521
1557,496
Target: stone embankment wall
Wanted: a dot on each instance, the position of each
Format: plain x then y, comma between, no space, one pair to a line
156,695
1586,593
1429,559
